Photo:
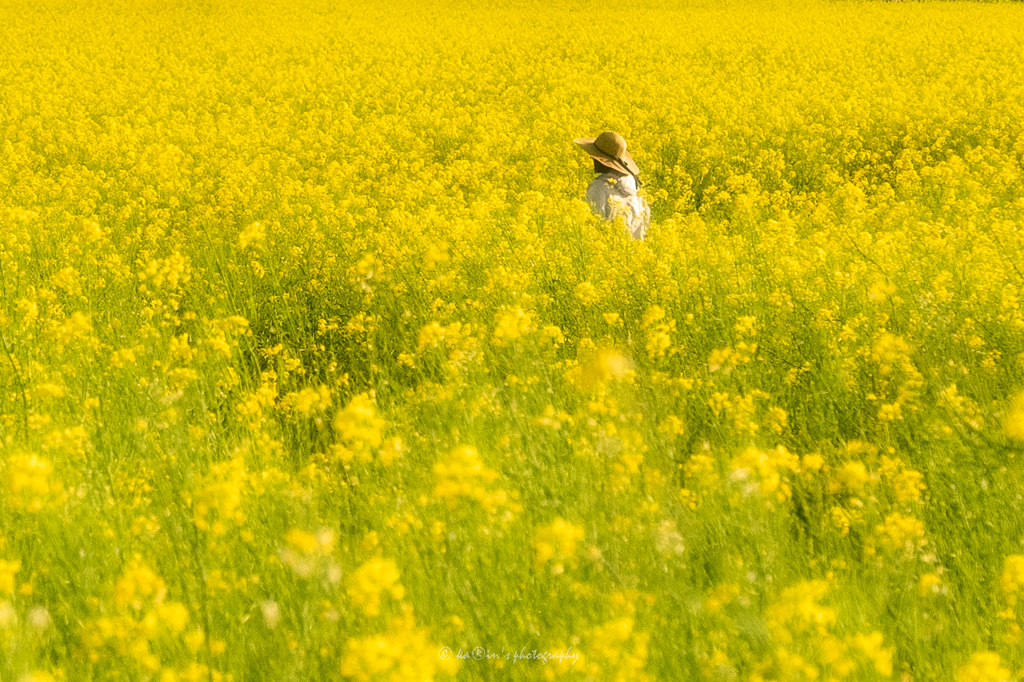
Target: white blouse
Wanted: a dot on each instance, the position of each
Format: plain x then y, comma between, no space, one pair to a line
611,195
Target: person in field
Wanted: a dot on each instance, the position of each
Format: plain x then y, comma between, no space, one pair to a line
613,192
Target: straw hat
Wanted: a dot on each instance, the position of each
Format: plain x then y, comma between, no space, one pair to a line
610,149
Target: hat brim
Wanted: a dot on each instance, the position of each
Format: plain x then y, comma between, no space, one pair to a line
628,165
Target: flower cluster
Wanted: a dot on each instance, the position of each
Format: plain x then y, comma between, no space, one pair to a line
306,327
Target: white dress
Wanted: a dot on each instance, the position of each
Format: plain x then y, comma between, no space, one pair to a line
612,195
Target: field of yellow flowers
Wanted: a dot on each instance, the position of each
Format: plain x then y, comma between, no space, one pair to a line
316,365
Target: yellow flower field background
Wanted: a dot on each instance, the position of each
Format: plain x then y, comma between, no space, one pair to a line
316,364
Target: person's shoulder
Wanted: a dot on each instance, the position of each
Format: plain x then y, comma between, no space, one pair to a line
603,181
613,180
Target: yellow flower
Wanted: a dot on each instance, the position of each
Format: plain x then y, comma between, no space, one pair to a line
1013,424
901,533
618,649
7,571
464,474
37,676
983,666
908,485
1012,579
929,584
811,462
218,500
556,541
308,401
776,419
841,519
510,324
369,580
746,325
358,429
174,616
403,653
653,314
254,234
139,585
852,476
587,294
30,483
307,552
871,646
602,367
764,471
553,334
799,610
721,596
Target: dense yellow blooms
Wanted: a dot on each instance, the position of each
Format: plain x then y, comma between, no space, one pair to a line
603,366
309,400
908,486
901,533
8,569
218,499
139,583
799,610
1012,579
307,553
31,483
929,584
404,654
511,324
359,429
799,613
765,471
983,666
143,623
463,474
556,542
618,652
852,475
306,326
369,580
1014,422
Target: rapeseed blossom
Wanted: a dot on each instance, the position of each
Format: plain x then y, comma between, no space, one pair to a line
799,610
404,654
511,324
31,484
139,583
983,666
370,580
904,534
218,500
8,569
1014,422
309,400
359,429
463,474
307,327
557,542
307,552
764,472
618,650
1011,581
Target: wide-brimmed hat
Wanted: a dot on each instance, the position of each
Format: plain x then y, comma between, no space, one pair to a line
610,149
